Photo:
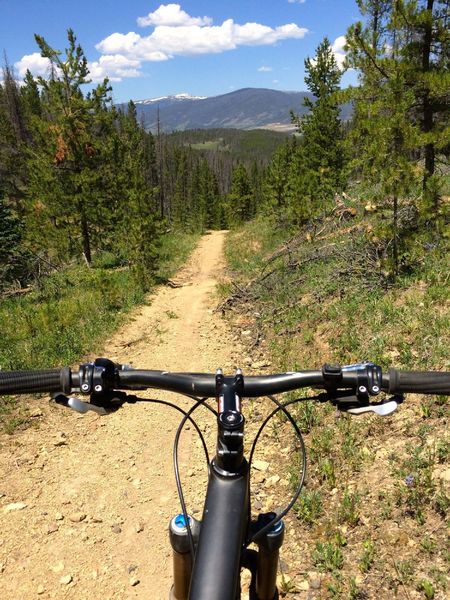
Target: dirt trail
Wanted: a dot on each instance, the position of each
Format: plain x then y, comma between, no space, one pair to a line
85,501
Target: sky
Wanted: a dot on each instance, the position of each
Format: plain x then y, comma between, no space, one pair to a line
204,48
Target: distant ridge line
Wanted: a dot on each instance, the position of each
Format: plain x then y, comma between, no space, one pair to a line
247,108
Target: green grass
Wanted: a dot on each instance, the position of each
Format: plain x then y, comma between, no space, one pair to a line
210,145
174,251
72,313
319,285
328,556
65,318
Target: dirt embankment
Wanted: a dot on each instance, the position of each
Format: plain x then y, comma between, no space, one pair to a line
85,500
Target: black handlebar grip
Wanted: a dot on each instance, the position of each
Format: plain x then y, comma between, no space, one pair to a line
28,382
419,382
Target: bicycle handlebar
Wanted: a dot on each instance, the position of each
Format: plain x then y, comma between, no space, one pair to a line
419,382
29,382
68,380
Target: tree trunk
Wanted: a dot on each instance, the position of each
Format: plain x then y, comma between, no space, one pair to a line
395,223
427,108
85,237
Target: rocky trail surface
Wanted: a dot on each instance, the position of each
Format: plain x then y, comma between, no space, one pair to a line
85,501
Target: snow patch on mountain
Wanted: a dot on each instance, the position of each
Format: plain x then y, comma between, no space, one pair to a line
181,97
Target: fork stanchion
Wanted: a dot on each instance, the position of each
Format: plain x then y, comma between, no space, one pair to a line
267,565
182,559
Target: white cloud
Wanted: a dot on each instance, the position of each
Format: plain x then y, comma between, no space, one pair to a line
178,34
175,33
296,1
37,64
189,40
119,43
115,67
265,69
338,50
171,15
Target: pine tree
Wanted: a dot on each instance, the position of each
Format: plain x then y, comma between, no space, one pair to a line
425,52
14,135
14,261
391,52
210,209
277,180
65,182
421,35
139,225
322,155
240,205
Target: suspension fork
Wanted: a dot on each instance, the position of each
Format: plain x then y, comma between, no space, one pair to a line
267,562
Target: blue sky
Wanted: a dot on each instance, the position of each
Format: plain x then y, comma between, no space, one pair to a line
151,49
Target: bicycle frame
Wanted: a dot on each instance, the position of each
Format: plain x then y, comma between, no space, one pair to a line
216,571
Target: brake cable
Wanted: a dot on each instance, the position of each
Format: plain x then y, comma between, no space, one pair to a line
281,406
187,416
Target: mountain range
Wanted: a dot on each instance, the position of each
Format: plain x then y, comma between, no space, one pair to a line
248,108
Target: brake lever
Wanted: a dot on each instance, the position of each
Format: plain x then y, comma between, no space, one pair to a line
79,405
380,408
102,404
349,403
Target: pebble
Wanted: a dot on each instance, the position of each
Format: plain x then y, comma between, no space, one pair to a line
260,465
443,475
314,580
60,440
37,412
15,506
270,481
59,517
77,517
66,579
260,364
116,528
303,586
40,590
58,568
139,527
52,528
134,581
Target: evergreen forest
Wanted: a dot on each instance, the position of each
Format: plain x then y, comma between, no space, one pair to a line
81,181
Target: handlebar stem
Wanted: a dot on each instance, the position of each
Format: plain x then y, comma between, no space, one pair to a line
230,421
